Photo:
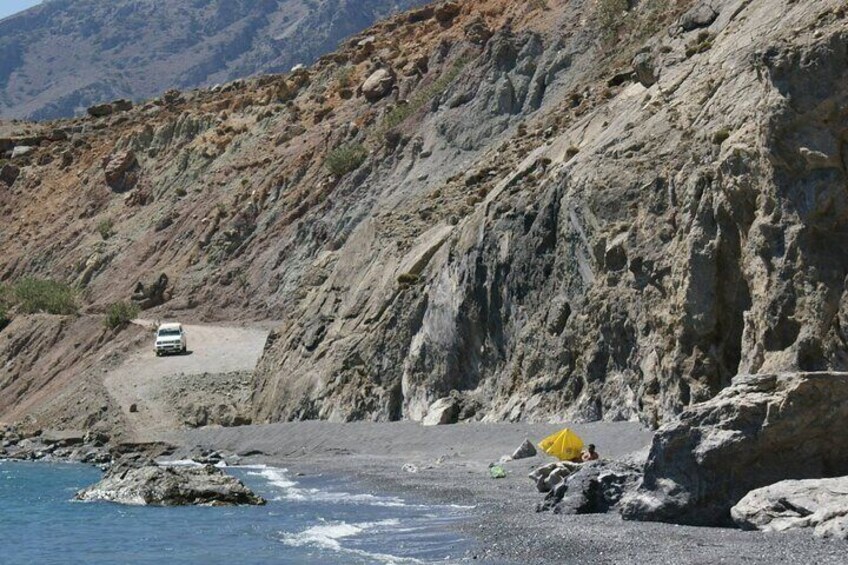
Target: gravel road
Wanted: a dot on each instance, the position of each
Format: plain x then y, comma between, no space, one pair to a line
146,381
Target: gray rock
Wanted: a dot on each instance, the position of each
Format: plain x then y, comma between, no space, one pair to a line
643,67
22,151
116,168
378,85
9,174
593,488
761,430
122,105
699,16
100,110
170,486
817,504
548,477
63,438
525,450
442,412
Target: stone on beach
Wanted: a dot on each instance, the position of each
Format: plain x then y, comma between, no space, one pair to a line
817,504
525,450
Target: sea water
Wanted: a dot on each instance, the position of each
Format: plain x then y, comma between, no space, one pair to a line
309,520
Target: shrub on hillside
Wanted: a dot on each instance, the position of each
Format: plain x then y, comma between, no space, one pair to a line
105,228
119,314
346,158
4,317
34,295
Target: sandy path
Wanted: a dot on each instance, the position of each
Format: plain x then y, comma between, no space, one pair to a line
140,378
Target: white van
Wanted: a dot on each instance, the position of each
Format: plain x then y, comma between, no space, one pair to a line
170,338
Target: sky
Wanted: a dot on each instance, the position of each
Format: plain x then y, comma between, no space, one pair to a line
9,7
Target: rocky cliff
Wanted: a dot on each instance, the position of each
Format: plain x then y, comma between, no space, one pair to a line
64,55
539,210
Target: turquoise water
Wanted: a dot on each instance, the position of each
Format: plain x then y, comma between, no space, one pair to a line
307,521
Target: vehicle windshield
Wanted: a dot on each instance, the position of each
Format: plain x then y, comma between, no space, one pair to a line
169,333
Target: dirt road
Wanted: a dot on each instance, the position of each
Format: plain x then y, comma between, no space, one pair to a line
152,391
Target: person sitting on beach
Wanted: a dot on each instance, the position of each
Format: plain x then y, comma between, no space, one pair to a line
590,454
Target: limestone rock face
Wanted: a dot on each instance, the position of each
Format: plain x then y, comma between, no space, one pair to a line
761,430
152,485
625,262
817,504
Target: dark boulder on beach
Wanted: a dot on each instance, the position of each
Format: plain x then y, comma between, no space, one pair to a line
761,430
152,485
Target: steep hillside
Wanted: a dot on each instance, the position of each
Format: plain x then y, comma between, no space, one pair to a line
60,57
530,210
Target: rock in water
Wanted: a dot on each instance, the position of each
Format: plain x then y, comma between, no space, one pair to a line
760,430
525,450
170,486
790,505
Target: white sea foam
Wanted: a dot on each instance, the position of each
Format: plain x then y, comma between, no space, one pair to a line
291,491
329,535
274,476
189,463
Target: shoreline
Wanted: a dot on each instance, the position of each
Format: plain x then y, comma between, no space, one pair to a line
450,466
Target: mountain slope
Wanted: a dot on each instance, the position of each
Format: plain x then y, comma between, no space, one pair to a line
65,55
531,210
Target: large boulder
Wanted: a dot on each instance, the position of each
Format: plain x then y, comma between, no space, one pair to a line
643,67
378,85
117,168
701,15
817,504
442,412
760,430
170,486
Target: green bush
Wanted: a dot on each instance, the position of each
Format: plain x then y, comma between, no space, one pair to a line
721,136
38,295
119,314
407,278
4,317
343,77
346,158
611,16
105,228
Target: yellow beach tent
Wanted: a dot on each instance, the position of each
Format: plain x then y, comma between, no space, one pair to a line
565,445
